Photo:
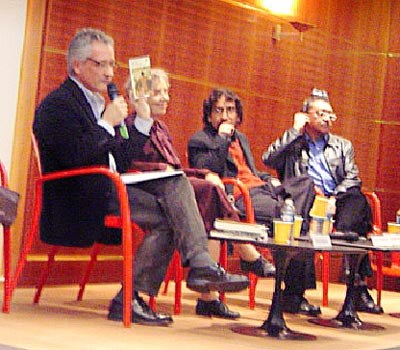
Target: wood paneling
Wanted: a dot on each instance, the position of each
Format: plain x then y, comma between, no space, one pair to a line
353,52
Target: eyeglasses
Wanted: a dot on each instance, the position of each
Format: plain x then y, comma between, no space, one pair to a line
228,109
103,64
325,114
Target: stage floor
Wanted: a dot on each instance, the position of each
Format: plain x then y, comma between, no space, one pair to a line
59,322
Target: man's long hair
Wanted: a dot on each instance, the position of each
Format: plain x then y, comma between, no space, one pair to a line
215,95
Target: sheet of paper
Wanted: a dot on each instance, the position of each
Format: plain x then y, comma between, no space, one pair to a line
133,178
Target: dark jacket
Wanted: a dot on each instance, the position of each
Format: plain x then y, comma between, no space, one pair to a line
69,137
209,150
289,156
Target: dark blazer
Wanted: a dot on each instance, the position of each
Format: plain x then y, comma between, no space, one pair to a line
69,137
209,150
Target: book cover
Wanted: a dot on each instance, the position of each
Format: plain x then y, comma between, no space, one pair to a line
238,235
229,225
139,70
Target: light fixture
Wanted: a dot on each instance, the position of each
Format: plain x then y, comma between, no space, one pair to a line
277,33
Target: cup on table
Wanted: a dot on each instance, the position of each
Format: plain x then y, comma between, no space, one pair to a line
320,206
298,221
282,231
392,227
320,225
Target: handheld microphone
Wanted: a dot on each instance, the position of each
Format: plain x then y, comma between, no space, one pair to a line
113,93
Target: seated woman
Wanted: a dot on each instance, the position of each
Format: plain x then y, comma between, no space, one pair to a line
155,151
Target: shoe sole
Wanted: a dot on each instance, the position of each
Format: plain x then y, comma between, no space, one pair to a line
218,316
207,286
141,322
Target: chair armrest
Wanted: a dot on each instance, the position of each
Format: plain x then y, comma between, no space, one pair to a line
245,194
115,177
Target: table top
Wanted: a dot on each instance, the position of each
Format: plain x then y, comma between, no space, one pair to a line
364,244
303,244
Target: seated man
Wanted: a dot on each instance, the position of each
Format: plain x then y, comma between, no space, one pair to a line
75,128
224,150
155,150
309,148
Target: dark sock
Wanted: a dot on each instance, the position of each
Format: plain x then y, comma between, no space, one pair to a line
202,260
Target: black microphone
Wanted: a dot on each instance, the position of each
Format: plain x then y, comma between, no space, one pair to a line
113,93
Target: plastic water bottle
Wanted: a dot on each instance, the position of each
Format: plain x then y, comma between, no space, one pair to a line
288,210
398,216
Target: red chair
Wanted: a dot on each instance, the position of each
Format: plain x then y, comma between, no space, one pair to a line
6,250
129,230
375,205
390,267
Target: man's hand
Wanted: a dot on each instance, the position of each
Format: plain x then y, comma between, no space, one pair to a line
300,120
226,129
116,111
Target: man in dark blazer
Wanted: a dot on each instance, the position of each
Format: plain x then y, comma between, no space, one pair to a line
74,128
223,149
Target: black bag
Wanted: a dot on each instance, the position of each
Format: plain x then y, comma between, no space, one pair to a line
8,206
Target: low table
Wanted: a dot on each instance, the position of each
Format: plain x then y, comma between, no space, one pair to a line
275,325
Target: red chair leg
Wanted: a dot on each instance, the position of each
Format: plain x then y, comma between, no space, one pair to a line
45,273
153,303
7,263
253,279
178,283
325,277
89,268
223,261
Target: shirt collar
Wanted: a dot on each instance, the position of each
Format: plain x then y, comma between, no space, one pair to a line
324,139
96,101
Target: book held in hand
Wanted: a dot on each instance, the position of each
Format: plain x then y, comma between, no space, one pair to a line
139,70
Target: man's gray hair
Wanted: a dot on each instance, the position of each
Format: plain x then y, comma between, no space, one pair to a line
80,47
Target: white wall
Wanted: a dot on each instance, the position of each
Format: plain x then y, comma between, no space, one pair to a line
12,30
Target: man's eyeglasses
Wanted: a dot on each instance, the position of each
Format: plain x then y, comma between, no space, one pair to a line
103,64
228,109
325,114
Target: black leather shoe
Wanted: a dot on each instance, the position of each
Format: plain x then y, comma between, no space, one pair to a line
205,279
261,267
215,308
299,305
363,301
141,313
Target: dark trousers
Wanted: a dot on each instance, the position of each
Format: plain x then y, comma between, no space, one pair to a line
167,211
353,213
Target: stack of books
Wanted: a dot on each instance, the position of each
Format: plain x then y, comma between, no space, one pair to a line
234,230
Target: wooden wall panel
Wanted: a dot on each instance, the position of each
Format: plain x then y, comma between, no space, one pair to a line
351,52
